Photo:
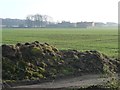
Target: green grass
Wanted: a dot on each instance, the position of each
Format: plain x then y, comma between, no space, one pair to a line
104,40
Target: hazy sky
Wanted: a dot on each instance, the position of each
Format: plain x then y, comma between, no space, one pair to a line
69,10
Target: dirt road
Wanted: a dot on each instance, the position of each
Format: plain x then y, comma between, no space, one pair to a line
81,81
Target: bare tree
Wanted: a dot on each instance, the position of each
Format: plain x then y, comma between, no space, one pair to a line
29,21
38,20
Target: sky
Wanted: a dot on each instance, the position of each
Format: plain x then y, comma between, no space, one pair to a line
59,10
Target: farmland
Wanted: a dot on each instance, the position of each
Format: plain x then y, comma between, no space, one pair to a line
104,40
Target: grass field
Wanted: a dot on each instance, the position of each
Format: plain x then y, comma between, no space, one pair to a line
104,40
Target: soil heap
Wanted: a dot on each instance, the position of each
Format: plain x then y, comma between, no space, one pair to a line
37,61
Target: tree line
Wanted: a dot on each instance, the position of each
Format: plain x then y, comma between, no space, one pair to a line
39,21
36,20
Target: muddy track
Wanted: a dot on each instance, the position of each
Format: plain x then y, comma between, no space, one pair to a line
73,82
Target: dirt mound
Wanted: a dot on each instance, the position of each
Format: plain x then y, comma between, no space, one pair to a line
37,61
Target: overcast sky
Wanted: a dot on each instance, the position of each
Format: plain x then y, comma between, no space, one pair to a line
69,10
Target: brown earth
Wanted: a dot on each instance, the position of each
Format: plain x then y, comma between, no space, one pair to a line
71,82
